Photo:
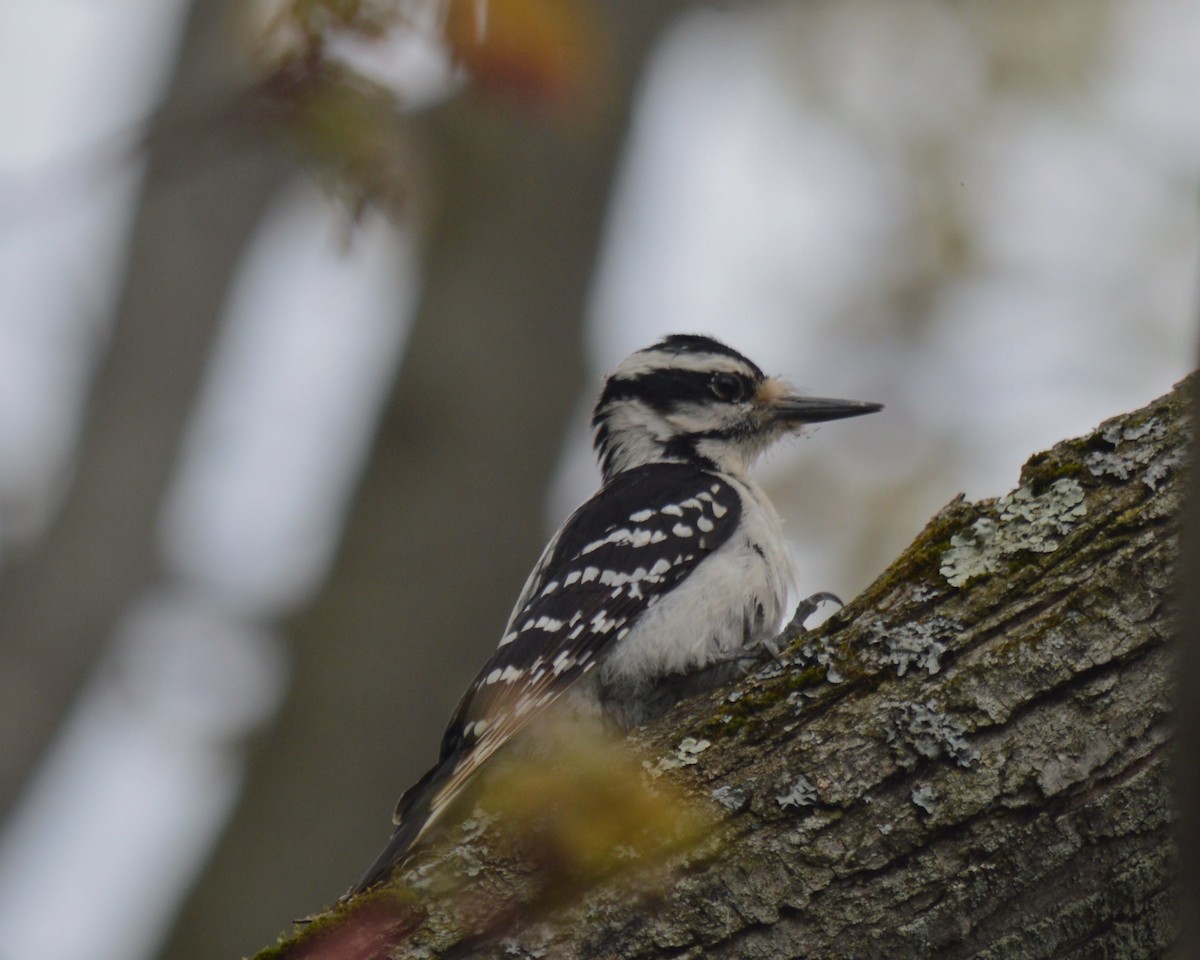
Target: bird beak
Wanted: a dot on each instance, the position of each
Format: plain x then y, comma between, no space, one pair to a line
794,409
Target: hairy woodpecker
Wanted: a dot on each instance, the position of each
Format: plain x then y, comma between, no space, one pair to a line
655,588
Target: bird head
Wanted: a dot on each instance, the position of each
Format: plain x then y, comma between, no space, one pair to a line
690,398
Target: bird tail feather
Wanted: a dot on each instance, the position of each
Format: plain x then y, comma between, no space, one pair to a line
416,813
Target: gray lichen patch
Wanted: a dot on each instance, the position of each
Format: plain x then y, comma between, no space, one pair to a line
1036,523
819,651
917,645
1137,449
684,755
925,797
731,797
918,731
514,948
802,793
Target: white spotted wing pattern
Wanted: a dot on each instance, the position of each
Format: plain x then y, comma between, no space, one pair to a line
615,558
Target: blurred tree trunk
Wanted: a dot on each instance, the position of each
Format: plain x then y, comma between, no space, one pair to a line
969,761
201,201
448,519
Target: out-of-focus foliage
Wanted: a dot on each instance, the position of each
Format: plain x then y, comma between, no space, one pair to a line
585,809
540,53
565,811
326,83
344,126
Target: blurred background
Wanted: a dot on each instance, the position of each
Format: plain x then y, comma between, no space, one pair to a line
305,303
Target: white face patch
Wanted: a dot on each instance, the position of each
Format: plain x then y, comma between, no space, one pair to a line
636,434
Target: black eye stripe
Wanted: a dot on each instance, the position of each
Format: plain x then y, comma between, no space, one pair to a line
667,389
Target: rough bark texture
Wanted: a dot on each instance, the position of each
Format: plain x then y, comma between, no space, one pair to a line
971,760
1186,767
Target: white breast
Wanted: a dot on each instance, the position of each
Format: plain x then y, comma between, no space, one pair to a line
733,599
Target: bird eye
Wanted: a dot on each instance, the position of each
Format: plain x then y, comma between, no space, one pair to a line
728,387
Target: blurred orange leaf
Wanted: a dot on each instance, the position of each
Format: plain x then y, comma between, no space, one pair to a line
539,52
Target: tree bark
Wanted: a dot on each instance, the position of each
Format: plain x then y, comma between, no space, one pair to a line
970,760
1186,767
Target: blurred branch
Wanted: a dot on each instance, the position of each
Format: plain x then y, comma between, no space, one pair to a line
969,760
450,505
60,600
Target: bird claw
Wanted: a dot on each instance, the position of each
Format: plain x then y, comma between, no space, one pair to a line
806,608
772,648
795,627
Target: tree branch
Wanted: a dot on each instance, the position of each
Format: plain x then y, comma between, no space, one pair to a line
969,760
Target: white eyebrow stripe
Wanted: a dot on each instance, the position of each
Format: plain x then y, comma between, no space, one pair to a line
651,360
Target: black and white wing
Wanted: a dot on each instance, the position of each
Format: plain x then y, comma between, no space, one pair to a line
617,556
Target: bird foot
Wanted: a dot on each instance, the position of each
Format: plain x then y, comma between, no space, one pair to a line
796,626
806,608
